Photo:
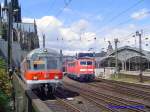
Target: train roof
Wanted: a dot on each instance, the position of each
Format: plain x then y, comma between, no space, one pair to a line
49,52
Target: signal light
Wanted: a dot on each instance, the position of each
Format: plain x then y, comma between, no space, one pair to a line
56,77
35,77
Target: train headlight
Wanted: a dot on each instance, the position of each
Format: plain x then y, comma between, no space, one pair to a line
56,77
35,77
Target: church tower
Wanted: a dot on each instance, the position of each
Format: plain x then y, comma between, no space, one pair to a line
36,35
15,5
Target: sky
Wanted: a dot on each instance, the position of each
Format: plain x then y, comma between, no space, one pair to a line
85,24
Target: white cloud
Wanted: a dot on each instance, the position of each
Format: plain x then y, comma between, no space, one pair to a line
54,29
80,25
141,14
71,43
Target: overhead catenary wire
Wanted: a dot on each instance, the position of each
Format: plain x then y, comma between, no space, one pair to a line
61,10
124,11
130,19
113,18
120,14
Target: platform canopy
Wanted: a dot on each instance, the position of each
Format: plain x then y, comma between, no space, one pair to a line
128,57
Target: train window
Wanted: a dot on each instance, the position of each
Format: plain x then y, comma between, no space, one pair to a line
82,62
39,66
71,64
52,64
89,62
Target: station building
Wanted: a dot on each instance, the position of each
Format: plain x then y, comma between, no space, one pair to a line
128,59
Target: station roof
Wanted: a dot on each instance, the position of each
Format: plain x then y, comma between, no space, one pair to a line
125,53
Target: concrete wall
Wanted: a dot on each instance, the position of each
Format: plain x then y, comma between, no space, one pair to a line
17,53
104,72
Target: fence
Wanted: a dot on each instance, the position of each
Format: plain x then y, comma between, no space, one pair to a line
104,72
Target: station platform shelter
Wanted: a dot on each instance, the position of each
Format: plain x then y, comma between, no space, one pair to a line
128,59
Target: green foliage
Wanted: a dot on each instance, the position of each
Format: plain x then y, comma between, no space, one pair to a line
5,84
4,102
5,88
4,31
2,64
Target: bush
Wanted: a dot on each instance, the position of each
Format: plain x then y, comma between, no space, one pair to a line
5,88
4,102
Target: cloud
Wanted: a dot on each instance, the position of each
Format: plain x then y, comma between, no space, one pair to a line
59,36
141,14
77,37
80,25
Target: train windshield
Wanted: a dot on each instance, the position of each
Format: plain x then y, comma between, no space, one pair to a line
89,62
52,64
86,63
38,65
83,63
42,65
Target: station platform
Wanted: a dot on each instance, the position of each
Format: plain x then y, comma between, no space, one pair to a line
135,73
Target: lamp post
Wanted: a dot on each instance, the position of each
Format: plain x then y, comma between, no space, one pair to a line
44,40
116,54
10,20
140,50
10,14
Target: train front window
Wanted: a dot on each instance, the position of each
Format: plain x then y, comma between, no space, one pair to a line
39,65
52,64
89,62
82,62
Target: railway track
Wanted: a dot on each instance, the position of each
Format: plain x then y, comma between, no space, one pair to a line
101,104
135,85
98,98
61,102
61,105
124,88
110,98
109,88
57,102
104,102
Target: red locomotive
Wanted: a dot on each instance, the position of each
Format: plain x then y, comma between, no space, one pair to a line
42,69
82,68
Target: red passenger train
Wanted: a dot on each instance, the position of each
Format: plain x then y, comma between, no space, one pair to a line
82,69
42,69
